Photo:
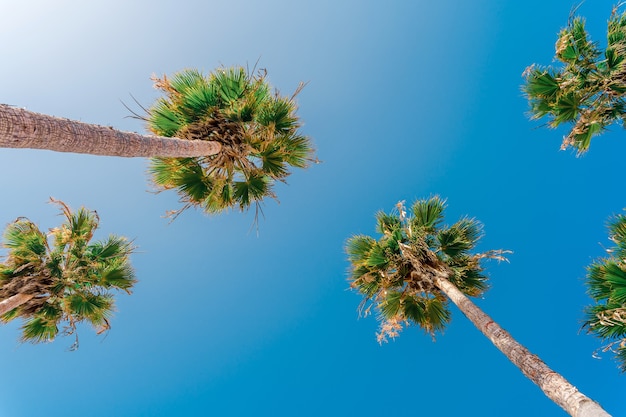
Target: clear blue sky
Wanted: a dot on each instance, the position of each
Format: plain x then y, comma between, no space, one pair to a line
405,100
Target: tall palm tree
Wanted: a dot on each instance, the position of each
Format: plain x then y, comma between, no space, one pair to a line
222,141
587,89
418,264
62,277
606,282
257,129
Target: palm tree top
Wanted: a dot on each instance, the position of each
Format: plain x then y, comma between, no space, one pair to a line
68,276
586,88
395,273
606,284
258,130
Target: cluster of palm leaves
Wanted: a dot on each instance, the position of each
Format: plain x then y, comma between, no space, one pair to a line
396,273
587,89
62,276
256,127
606,282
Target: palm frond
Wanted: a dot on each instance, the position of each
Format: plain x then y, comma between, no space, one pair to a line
26,243
252,189
92,307
458,239
391,305
428,213
182,82
358,248
38,330
541,83
387,224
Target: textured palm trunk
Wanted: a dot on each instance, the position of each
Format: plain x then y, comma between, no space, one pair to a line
20,128
14,301
551,383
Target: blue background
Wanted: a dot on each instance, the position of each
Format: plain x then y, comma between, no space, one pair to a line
405,99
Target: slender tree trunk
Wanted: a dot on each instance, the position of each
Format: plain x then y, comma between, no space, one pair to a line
551,383
20,128
14,301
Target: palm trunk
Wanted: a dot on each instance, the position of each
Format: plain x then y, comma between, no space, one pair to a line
20,128
14,301
552,384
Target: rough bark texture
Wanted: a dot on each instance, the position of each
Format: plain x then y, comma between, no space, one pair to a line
552,384
21,128
14,301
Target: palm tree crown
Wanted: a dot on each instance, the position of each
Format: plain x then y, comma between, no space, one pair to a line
257,129
418,265
65,275
606,282
396,272
587,89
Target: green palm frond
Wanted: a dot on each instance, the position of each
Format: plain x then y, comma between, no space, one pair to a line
38,330
391,305
387,224
542,84
25,241
257,129
437,314
95,308
231,83
252,189
597,286
428,214
428,312
296,150
378,257
395,273
467,274
606,284
573,45
458,239
588,88
67,273
358,248
10,315
164,120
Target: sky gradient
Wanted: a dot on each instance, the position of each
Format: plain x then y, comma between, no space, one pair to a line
403,101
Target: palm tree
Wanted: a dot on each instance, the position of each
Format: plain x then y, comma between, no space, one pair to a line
62,277
606,282
222,141
257,129
418,264
587,89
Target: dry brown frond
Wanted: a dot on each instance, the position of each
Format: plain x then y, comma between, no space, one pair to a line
612,317
497,254
389,328
162,84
